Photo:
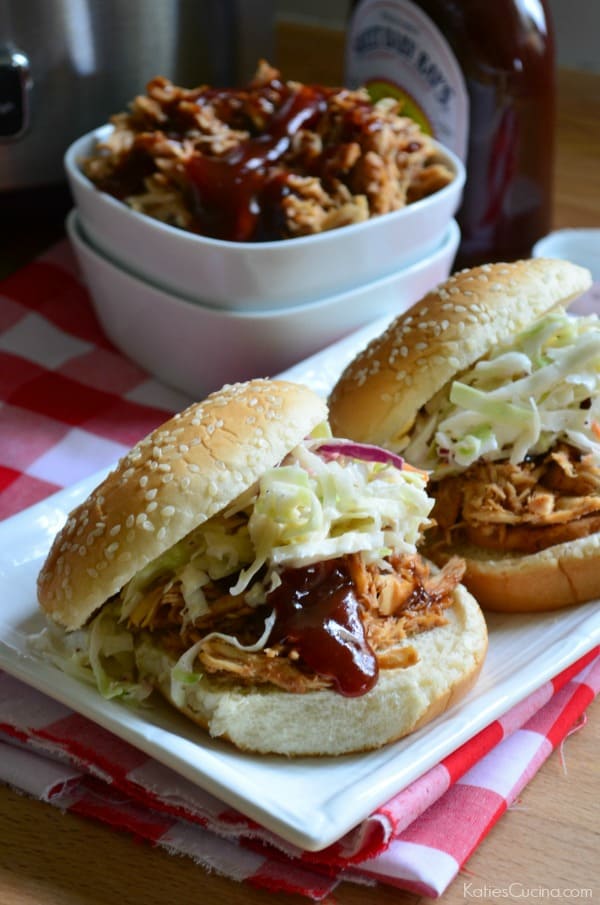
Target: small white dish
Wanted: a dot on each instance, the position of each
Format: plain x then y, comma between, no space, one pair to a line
253,275
196,348
580,246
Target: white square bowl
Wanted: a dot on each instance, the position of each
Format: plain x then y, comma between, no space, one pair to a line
259,275
196,349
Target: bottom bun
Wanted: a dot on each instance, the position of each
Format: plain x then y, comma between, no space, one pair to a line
267,720
560,576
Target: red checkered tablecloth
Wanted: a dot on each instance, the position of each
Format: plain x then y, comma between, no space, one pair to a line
69,403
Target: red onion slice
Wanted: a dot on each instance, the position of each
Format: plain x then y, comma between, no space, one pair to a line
368,452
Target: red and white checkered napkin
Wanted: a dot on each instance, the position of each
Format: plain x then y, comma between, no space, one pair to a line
70,405
417,841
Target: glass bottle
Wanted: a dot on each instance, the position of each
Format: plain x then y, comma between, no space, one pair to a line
480,76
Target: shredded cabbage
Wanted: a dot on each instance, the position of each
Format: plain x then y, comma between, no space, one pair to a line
312,506
102,654
518,401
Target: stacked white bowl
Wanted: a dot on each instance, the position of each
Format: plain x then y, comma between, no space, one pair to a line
198,312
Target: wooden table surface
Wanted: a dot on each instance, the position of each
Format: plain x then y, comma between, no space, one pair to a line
546,847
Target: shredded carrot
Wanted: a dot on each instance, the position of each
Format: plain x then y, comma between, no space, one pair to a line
406,466
596,429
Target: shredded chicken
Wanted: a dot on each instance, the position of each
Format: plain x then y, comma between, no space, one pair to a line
347,159
395,604
526,507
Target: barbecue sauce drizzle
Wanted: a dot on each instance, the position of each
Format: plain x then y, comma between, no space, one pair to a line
317,613
237,197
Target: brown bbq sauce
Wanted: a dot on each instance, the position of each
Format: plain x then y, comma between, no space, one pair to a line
317,613
237,197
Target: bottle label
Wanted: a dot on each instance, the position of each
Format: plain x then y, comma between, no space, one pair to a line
395,49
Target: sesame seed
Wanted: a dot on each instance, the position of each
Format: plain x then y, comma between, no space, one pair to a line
151,506
130,521
164,466
167,511
114,530
150,494
143,480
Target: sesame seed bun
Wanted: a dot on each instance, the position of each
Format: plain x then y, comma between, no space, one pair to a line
184,472
379,394
269,720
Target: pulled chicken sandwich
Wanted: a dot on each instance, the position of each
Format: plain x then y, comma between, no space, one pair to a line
263,575
492,386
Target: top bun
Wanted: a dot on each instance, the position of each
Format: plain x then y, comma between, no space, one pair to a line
379,394
184,472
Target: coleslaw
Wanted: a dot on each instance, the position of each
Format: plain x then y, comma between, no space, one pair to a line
518,401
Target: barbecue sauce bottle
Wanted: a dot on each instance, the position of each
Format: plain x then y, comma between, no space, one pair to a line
479,75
